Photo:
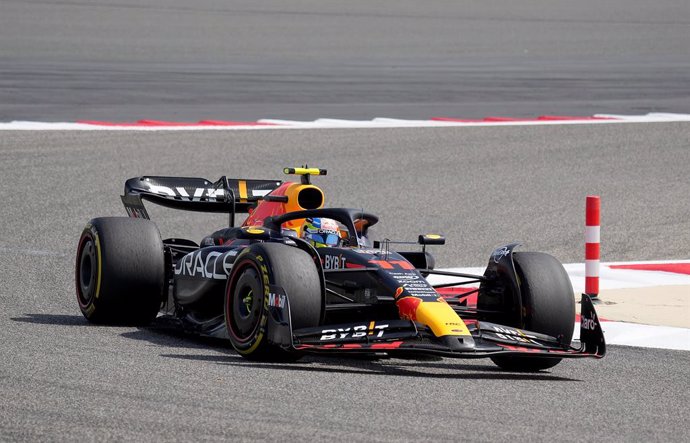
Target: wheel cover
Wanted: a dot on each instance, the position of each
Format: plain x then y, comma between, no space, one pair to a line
247,302
246,306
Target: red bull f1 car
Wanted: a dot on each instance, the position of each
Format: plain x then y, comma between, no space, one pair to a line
275,296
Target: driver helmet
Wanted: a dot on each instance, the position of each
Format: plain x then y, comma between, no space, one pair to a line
321,232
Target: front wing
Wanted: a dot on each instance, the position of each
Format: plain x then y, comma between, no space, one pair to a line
408,338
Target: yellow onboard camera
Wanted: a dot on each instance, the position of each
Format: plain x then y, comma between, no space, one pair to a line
305,172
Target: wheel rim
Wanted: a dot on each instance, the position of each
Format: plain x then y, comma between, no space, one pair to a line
247,303
87,272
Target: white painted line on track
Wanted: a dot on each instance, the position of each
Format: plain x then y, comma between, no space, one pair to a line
651,117
611,278
273,124
643,336
31,252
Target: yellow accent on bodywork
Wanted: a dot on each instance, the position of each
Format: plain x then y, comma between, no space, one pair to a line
441,318
292,193
243,191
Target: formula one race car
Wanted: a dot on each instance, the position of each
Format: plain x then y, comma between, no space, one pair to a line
277,293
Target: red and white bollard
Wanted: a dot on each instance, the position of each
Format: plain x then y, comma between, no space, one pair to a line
592,253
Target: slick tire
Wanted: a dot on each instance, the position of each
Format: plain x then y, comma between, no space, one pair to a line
246,297
548,306
120,271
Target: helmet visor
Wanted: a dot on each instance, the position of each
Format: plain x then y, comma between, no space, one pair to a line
324,238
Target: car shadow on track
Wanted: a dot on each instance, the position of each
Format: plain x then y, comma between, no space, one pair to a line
369,366
166,335
346,366
161,333
53,319
422,367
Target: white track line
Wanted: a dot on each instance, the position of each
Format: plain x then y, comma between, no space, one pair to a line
272,124
643,336
609,278
616,332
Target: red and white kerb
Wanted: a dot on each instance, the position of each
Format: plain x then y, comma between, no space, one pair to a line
592,255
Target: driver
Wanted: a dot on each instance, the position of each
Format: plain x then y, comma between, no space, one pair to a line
321,232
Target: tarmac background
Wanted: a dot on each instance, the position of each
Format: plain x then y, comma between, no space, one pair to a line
307,59
62,379
65,379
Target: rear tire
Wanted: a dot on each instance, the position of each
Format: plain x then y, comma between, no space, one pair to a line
548,306
120,271
246,301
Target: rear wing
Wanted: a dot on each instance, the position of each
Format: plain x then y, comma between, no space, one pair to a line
226,195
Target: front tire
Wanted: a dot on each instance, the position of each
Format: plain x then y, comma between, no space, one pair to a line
548,306
247,292
120,271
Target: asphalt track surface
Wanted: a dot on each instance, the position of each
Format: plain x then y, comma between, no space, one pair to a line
308,59
63,379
